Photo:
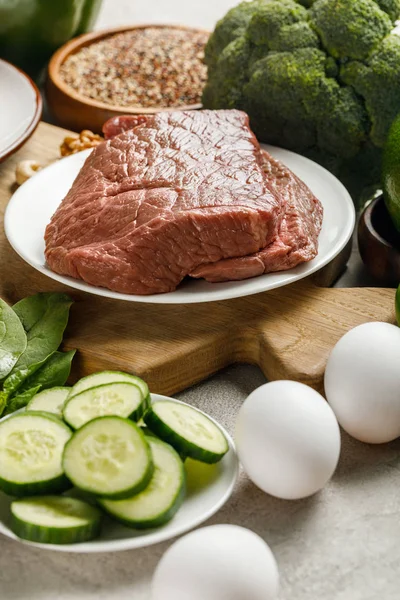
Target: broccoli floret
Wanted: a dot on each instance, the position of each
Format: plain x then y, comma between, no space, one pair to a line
349,28
281,25
298,35
230,27
232,65
274,97
293,102
391,7
267,21
343,124
378,82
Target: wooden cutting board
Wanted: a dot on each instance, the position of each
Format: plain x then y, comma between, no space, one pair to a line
288,332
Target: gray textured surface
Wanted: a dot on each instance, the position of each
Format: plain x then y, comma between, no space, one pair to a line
341,544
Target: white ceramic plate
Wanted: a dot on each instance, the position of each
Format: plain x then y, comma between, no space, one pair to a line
21,108
33,204
201,502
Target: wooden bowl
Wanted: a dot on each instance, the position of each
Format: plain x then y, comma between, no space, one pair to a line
379,243
77,112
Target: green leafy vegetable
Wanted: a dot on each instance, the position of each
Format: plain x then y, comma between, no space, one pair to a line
18,376
3,402
54,372
44,317
30,334
32,309
21,400
12,339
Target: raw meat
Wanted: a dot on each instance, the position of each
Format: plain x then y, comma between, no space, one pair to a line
182,193
296,242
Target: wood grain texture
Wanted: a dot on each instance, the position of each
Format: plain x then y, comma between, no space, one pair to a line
288,332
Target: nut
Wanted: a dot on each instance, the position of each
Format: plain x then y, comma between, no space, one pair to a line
25,169
86,139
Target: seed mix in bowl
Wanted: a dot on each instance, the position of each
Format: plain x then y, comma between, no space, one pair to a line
143,68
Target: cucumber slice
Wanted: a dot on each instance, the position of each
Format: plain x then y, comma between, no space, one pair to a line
162,498
121,399
51,400
55,520
108,377
109,457
31,447
188,430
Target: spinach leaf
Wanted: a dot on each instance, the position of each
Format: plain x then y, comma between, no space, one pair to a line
12,339
44,317
32,309
21,400
3,402
18,376
54,372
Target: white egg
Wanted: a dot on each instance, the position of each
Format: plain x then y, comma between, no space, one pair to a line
221,562
288,439
362,382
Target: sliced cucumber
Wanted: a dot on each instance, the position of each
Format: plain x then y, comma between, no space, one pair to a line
148,431
105,377
51,400
31,448
121,399
109,457
55,520
188,430
162,498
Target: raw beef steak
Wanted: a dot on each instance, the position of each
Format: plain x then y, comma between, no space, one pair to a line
296,242
152,204
177,194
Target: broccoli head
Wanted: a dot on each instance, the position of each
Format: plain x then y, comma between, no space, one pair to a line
316,110
321,77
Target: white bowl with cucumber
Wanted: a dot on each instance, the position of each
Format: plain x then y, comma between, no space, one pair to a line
86,477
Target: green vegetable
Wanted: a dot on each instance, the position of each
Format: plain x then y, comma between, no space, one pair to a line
54,372
350,29
18,376
391,173
43,311
3,402
319,77
121,399
21,400
55,520
44,317
12,339
31,30
31,447
51,400
188,430
109,457
162,498
30,334
105,377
